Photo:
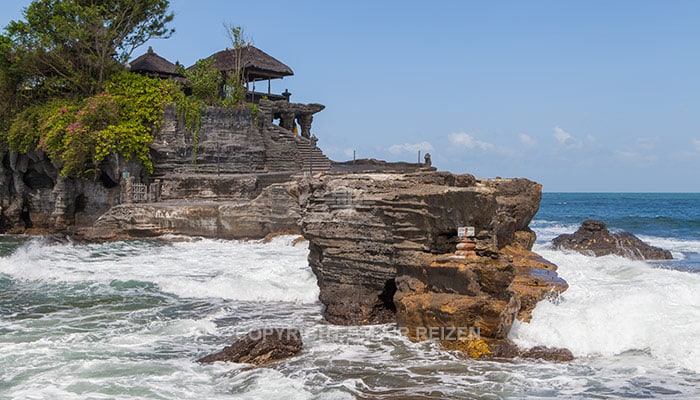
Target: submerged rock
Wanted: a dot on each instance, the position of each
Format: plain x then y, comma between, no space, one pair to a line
505,348
260,347
593,238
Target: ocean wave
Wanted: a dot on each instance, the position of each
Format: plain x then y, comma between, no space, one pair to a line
202,268
614,305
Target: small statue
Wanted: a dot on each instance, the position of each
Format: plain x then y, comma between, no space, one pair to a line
428,162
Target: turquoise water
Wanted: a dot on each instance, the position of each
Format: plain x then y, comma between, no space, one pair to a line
126,320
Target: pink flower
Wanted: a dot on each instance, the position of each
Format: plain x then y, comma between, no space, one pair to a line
63,110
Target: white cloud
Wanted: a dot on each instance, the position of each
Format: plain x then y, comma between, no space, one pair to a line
696,142
468,141
410,147
526,140
568,140
641,152
561,135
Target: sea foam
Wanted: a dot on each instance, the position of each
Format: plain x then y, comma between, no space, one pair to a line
256,271
614,305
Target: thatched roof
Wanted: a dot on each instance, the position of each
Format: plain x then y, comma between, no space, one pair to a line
153,63
256,64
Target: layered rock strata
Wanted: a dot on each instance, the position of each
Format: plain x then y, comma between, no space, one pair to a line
369,232
275,210
232,158
593,238
385,248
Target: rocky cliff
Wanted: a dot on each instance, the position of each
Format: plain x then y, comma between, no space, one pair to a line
274,210
383,248
383,245
237,154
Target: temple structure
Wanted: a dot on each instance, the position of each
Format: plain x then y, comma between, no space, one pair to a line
254,65
153,65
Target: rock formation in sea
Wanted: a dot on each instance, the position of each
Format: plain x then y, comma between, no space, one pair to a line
260,347
383,237
385,248
593,238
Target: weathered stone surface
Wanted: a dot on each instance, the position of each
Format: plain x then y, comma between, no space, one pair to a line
260,347
363,227
380,243
477,294
229,141
593,238
505,348
238,155
275,210
547,354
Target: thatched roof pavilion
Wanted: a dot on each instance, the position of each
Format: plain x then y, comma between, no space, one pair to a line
256,65
154,65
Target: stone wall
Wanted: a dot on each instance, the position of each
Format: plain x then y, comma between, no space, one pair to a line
229,141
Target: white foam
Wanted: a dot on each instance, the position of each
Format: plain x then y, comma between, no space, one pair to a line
548,230
676,246
274,271
614,305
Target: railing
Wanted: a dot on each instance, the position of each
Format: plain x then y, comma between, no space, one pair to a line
255,97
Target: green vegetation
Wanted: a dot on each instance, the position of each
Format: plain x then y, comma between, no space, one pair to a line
64,89
79,134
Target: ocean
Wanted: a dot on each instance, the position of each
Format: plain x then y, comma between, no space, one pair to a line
126,320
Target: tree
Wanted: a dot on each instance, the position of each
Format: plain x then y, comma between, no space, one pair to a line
203,81
235,81
71,47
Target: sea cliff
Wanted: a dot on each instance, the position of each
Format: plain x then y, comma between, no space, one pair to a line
383,238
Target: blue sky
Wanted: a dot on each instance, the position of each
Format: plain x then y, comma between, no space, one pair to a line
577,95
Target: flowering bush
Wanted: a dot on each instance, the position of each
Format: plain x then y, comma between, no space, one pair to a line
78,136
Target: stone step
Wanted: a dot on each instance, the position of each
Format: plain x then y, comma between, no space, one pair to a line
312,156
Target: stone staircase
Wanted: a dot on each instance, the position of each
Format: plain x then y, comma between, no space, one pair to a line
312,158
281,150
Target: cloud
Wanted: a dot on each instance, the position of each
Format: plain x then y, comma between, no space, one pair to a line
526,140
466,140
696,143
410,148
565,138
569,141
641,152
561,135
